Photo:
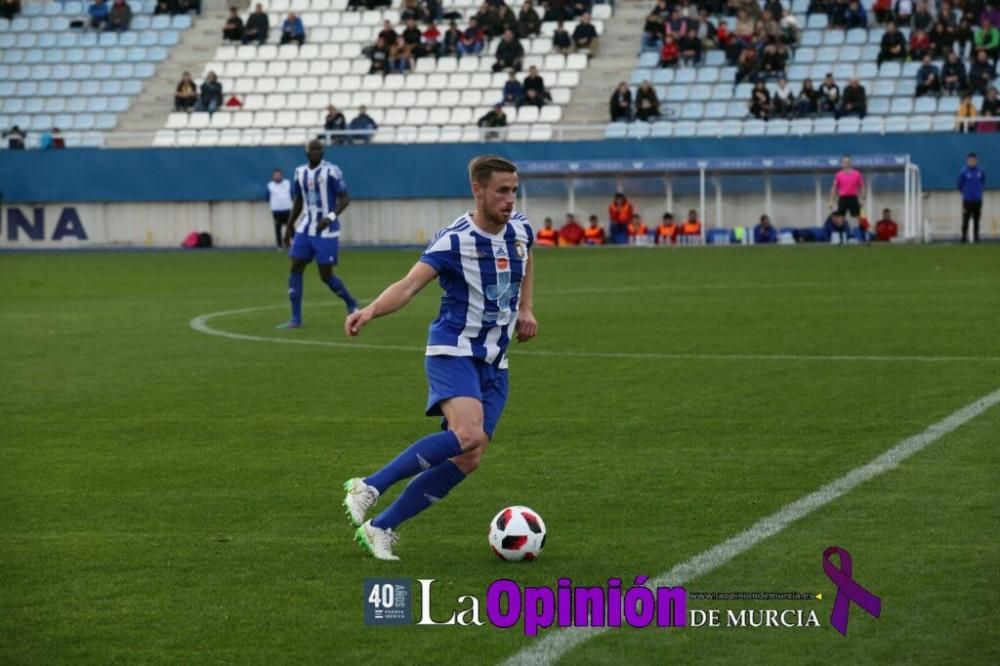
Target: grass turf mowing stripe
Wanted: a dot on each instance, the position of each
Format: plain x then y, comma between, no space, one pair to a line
556,644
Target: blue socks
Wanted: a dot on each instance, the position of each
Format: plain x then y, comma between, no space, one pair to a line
337,286
295,296
425,490
423,454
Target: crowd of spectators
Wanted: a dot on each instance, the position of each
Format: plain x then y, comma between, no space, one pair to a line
9,8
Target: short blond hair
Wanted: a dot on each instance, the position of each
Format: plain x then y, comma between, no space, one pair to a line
484,166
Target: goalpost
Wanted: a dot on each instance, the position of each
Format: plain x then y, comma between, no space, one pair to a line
726,192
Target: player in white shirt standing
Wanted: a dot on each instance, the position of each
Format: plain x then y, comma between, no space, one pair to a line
320,196
279,196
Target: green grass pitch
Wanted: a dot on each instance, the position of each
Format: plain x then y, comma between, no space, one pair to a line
173,497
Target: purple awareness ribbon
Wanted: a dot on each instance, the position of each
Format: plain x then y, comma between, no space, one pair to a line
848,590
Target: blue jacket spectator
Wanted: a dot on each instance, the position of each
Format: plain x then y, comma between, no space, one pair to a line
363,122
836,227
765,231
513,91
98,14
971,181
292,30
855,16
928,78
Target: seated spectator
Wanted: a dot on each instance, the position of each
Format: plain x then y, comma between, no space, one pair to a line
966,116
928,78
675,25
765,232
807,101
452,37
578,8
571,233
528,22
920,45
883,11
509,53
413,39
10,8
991,104
430,41
547,236
987,38
690,48
647,104
594,234
666,232
981,74
829,95
119,16
893,44
585,35
942,39
335,122
493,118
379,55
99,14
774,60
513,91
789,29
903,11
210,98
488,20
388,33
953,77
186,93
555,10
760,101
638,232
292,30
782,100
691,226
534,88
620,213
185,6
561,41
52,140
15,138
729,43
505,21
769,25
744,28
653,31
363,125
706,32
670,55
921,19
400,56
257,26
621,103
747,67
472,39
232,30
963,36
836,227
855,16
886,229
854,101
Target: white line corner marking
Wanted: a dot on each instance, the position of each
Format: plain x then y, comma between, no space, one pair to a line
557,643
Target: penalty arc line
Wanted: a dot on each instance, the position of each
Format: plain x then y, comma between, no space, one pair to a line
201,325
555,645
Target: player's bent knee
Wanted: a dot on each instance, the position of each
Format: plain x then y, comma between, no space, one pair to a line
471,438
469,462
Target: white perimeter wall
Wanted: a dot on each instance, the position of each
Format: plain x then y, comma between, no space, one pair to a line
408,222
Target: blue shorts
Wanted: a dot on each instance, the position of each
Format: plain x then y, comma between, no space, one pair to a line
307,248
460,376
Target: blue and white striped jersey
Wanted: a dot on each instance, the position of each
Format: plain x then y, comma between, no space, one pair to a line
319,188
481,277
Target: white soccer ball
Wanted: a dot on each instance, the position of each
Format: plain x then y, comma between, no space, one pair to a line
517,533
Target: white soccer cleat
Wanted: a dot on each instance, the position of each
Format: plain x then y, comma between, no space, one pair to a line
376,541
359,499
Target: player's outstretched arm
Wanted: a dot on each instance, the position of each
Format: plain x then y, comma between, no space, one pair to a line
527,327
393,298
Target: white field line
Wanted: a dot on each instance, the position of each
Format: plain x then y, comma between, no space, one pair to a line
557,643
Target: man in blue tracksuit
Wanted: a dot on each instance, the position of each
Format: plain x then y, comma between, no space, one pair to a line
971,183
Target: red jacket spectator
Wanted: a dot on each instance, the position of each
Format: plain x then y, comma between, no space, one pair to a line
570,233
669,54
886,228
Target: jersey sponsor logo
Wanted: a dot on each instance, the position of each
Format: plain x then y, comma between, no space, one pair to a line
502,293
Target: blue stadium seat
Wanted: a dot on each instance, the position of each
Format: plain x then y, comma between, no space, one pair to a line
661,76
798,73
54,56
866,70
816,22
131,87
684,76
811,38
870,52
46,40
776,128
754,127
97,104
62,71
137,54
890,70
714,58
849,125
141,22
638,130
160,22
181,22
825,126
95,54
107,39
156,54
722,92
34,56
715,110
616,131
677,93
8,40
648,60
39,24
833,38
857,37
638,76
72,8
843,71
34,105
136,7
897,124
64,121
800,6
111,87
13,56
66,40
850,54
102,70
685,129
818,71
118,104
77,105
19,24
148,6
947,105
20,73
884,88
48,88
826,54
69,88
149,38
736,109
82,71
708,75
743,91
925,105
85,121
169,38
4,72
805,55
693,111
910,70
878,106
901,106
87,39
55,104
662,130
128,39
31,9
40,72
115,55
58,24
699,93
90,87
10,104
144,70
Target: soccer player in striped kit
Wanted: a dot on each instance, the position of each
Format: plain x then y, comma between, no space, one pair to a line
320,190
483,263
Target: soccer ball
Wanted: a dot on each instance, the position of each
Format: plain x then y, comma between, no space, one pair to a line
517,533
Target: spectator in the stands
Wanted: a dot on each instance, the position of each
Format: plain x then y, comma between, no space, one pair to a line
893,44
728,42
10,8
904,11
747,67
571,233
232,30
364,125
379,56
257,26
886,229
210,98
487,20
987,38
921,19
653,31
692,225
947,14
593,234
963,37
854,101
774,60
928,78
509,53
119,16
578,7
534,88
186,93
790,30
555,10
413,39
990,11
991,104
335,122
472,39
388,33
561,40
882,9
452,37
529,24
620,213
829,95
547,236
666,232
15,138
292,30
675,25
400,56
782,100
513,91
705,31
760,101
185,6
690,48
621,103
982,73
920,45
966,116
638,232
507,21
647,104
765,232
99,13
942,39
953,75
585,35
493,118
807,101
855,16
670,54
51,140
430,41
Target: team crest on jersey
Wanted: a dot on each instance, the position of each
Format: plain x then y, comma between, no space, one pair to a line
519,249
